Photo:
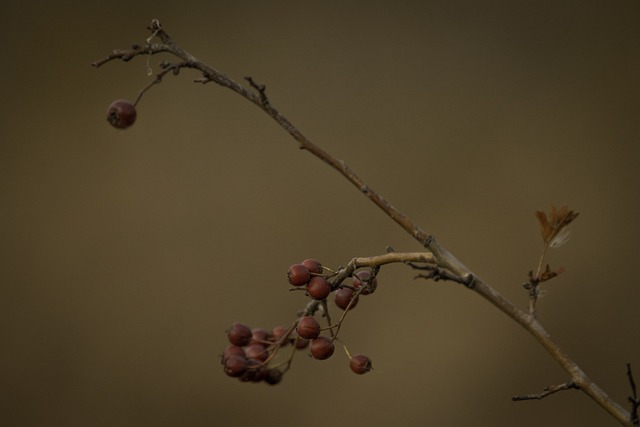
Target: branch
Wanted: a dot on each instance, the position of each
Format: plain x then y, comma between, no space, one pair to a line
438,254
547,391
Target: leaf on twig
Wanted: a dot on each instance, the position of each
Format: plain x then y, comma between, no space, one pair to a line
553,226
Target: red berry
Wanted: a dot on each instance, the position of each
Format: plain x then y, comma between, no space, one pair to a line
301,343
235,366
321,348
121,114
259,336
360,364
308,327
256,351
318,288
363,277
239,334
232,350
313,265
298,275
278,332
344,297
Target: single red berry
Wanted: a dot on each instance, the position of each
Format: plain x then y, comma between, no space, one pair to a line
318,288
235,366
313,265
298,275
121,114
360,364
363,277
321,348
308,327
344,297
239,334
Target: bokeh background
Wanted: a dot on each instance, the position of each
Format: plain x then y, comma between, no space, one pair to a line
125,255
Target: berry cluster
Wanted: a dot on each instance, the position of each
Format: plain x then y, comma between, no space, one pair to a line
250,353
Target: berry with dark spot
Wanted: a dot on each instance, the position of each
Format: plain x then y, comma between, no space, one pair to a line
121,114
360,364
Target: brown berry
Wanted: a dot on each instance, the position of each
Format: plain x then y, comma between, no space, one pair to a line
360,364
298,275
321,348
318,288
363,277
239,334
313,265
344,297
121,114
308,327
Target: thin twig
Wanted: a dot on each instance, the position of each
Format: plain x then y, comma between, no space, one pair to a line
547,391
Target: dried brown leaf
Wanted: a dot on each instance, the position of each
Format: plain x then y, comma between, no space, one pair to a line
551,225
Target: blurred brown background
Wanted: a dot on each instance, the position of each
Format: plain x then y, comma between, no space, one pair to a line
126,254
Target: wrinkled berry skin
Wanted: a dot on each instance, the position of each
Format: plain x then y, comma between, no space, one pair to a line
121,114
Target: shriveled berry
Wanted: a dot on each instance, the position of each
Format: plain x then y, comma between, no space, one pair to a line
239,334
321,348
273,376
318,288
313,265
298,275
344,297
360,364
121,114
235,366
363,277
308,327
